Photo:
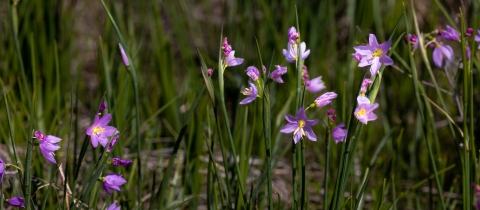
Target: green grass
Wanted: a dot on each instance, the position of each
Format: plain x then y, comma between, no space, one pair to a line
194,146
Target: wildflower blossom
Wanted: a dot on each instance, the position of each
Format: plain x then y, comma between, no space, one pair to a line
276,75
99,131
103,106
121,162
113,206
293,35
48,145
251,92
16,202
364,111
440,52
209,72
413,40
338,133
124,56
451,34
112,182
305,76
365,83
2,169
300,126
325,99
374,54
291,53
112,142
226,47
469,31
357,56
330,112
253,73
230,60
315,85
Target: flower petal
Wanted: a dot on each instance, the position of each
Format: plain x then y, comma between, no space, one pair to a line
104,120
387,61
290,118
310,134
364,50
297,137
372,40
48,156
289,128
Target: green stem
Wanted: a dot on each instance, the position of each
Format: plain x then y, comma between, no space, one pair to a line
327,166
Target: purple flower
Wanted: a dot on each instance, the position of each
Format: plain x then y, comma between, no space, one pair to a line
2,169
300,126
16,202
364,111
413,40
325,99
468,52
374,54
305,76
451,34
251,92
315,85
253,73
293,35
276,75
121,162
441,52
469,31
112,182
112,142
330,112
291,53
365,83
226,47
209,72
264,69
99,131
477,38
124,56
230,60
103,106
114,206
357,56
48,145
339,133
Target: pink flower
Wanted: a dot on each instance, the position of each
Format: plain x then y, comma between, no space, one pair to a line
374,54
253,73
338,133
121,162
114,206
124,56
230,60
291,53
293,35
112,142
251,92
276,75
440,53
315,85
16,202
300,126
48,145
325,99
99,131
364,111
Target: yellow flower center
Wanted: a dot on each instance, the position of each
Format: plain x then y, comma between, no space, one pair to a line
97,130
377,53
247,92
362,112
301,124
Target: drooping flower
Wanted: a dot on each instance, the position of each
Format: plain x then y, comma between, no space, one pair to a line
291,53
300,126
16,202
253,73
338,133
293,35
2,170
357,56
103,106
451,34
276,75
364,111
315,85
230,60
325,99
365,83
374,54
251,92
112,182
440,53
124,56
48,145
114,206
99,131
121,162
112,142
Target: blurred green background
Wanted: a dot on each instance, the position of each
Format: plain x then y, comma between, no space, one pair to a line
71,59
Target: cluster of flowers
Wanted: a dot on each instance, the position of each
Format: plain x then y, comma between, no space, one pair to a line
436,40
99,132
